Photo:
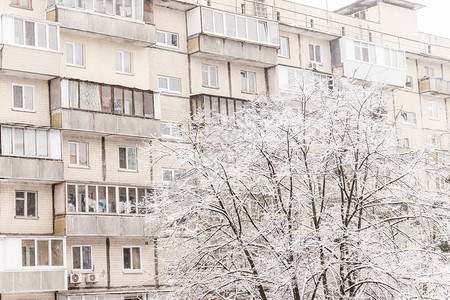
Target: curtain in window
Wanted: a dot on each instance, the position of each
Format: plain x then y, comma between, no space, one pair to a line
89,96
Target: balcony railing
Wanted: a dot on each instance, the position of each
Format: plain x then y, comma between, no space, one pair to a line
211,107
435,86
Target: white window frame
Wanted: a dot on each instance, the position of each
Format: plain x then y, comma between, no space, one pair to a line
132,270
433,110
19,4
25,204
120,69
245,82
73,55
173,175
36,144
36,36
313,58
284,51
77,154
436,141
409,79
82,270
173,129
23,86
209,71
127,168
36,254
408,119
167,37
429,71
169,87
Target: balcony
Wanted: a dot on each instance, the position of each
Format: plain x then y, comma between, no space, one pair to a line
35,169
368,61
103,108
225,36
35,54
435,86
32,281
126,24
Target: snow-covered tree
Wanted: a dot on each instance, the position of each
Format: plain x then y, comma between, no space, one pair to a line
307,196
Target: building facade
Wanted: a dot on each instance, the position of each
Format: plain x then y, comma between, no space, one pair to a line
86,84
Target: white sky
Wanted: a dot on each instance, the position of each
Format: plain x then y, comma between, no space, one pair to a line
434,18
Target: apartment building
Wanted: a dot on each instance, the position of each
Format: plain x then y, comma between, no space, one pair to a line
87,83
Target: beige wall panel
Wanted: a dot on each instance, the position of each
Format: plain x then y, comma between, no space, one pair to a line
100,62
37,10
325,66
222,77
34,296
174,21
9,223
175,109
40,116
294,51
236,85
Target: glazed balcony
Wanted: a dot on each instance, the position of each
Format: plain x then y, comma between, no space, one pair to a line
29,47
104,108
29,153
435,86
131,23
226,36
101,210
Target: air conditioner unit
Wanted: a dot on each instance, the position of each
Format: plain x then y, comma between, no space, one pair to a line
74,278
313,65
92,278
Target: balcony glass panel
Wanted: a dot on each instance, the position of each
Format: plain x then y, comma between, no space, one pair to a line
132,9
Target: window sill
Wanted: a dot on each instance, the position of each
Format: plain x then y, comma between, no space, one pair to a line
23,110
211,87
82,271
76,66
434,119
168,46
78,167
169,92
282,56
22,7
171,137
249,93
140,271
26,218
124,73
409,124
128,170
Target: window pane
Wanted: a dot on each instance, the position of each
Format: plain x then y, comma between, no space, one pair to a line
28,97
387,57
79,58
6,140
83,153
128,102
17,91
118,101
71,198
252,34
57,253
30,142
31,204
18,141
218,22
205,79
18,32
141,201
76,257
163,83
365,53
28,253
126,258
122,200
102,203
138,104
52,37
87,263
111,199
173,39
20,206
29,33
262,30
119,61
42,35
136,258
132,200
241,28
174,84
251,82
317,54
207,20
81,201
311,52
230,21
123,158
73,94
160,37
131,158
213,75
42,247
73,153
106,99
127,62
92,199
42,142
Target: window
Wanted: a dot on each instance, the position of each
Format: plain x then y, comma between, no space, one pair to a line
404,143
171,130
173,175
209,76
132,258
361,51
248,82
394,58
35,34
314,53
409,117
21,3
24,141
429,72
82,258
210,106
169,84
284,47
75,54
409,82
23,97
436,142
167,39
123,62
72,3
433,111
26,204
127,158
243,8
78,154
37,252
124,8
